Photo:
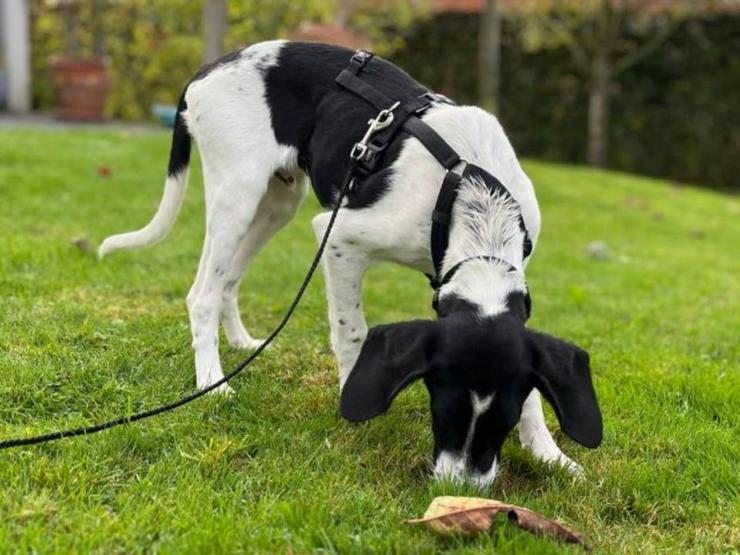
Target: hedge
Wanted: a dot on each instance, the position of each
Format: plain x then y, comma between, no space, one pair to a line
675,115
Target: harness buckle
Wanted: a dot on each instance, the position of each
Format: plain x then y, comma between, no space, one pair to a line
361,57
378,123
428,99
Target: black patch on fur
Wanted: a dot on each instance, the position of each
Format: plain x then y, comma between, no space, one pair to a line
520,305
323,121
452,303
181,141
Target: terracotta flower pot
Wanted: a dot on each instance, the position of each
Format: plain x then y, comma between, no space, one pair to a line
82,87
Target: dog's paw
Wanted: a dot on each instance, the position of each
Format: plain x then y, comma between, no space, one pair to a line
563,461
571,466
244,342
549,453
238,337
223,389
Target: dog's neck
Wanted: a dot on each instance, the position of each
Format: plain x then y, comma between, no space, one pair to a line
485,224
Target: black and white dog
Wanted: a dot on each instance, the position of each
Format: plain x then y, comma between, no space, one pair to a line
268,116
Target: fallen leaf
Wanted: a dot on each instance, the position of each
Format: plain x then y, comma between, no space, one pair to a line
473,515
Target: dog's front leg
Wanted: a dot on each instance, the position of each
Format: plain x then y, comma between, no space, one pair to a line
535,436
344,264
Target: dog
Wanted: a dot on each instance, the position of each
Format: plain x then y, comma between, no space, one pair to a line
270,118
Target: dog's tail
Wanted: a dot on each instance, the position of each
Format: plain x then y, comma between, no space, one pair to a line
174,193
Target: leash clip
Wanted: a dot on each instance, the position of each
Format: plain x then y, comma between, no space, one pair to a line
378,123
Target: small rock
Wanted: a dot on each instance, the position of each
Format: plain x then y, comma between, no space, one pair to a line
82,243
598,250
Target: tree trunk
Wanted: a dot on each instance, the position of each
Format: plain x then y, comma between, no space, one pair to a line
489,56
344,10
96,24
68,12
599,96
215,23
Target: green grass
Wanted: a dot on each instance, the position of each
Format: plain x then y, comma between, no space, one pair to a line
274,468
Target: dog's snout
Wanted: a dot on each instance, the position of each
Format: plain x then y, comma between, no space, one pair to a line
451,466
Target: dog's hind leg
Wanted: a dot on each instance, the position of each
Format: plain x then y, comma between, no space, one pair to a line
534,435
277,208
229,118
232,200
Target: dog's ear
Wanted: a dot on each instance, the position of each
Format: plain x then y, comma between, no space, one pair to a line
392,357
563,375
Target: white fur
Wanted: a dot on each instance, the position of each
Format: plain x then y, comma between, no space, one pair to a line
161,223
230,120
455,466
480,405
534,435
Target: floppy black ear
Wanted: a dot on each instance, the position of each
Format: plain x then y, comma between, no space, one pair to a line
563,376
391,358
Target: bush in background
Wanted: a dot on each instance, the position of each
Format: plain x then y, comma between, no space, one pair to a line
675,114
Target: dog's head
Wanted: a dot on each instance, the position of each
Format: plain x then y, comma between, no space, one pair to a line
478,370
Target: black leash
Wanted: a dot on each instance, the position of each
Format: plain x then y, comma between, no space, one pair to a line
85,430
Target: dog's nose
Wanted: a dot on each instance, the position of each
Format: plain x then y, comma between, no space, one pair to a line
450,466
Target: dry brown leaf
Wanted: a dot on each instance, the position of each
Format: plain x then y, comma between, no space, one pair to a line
473,515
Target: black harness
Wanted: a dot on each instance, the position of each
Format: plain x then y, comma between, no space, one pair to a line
396,116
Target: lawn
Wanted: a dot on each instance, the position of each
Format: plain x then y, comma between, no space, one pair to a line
274,468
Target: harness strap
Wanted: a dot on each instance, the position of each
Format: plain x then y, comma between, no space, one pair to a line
436,145
349,80
442,218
